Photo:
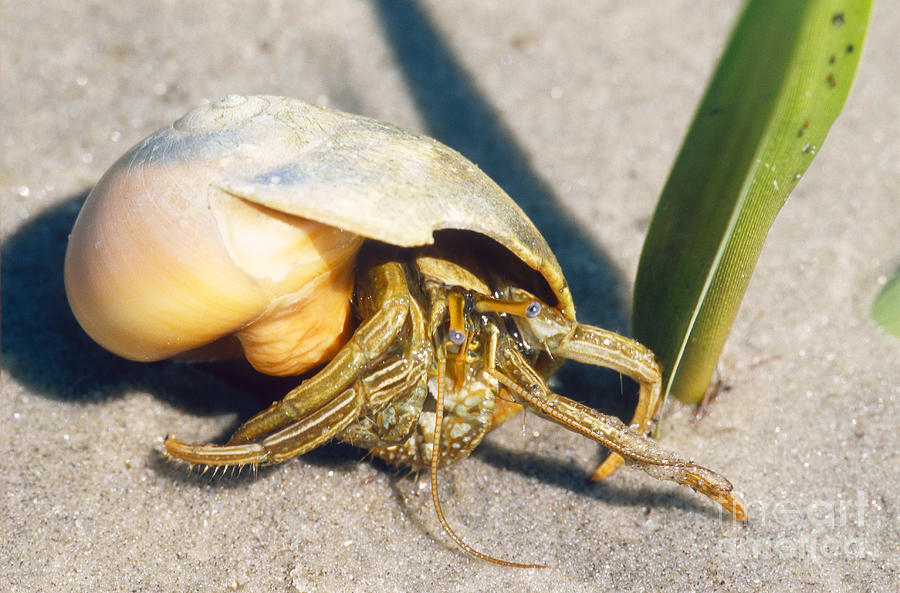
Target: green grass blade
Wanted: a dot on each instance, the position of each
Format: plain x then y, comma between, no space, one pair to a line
781,82
886,308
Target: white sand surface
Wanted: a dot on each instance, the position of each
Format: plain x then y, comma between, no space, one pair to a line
578,110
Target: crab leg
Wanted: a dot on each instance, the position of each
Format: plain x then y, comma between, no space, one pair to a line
371,339
592,345
294,439
324,405
638,450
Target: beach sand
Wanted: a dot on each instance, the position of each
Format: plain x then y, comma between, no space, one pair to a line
578,111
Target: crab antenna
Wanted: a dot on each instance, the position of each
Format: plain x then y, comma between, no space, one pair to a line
433,471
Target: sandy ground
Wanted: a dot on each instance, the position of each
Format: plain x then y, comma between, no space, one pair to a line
577,109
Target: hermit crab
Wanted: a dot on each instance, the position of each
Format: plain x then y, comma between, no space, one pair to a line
304,239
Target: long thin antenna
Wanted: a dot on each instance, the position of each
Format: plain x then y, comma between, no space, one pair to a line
433,471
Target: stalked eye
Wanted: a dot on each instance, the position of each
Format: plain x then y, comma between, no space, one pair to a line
457,337
533,310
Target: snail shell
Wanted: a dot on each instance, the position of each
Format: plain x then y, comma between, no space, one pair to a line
244,219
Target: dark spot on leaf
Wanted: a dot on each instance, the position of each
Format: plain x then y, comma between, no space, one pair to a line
807,147
802,129
716,111
832,59
838,19
850,48
832,81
